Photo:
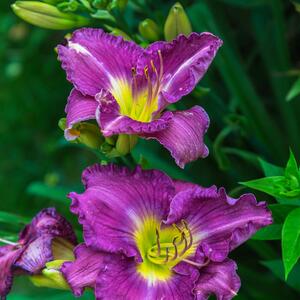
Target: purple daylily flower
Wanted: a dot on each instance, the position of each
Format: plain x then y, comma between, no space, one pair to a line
149,237
39,242
126,88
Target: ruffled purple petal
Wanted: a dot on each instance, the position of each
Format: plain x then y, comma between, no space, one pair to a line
8,255
119,279
116,202
184,135
36,254
93,59
83,272
79,108
218,222
47,222
181,185
219,279
112,122
185,61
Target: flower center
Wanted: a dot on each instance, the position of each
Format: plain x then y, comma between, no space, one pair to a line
138,99
171,253
163,248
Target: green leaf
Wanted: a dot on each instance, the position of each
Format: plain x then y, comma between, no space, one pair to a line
103,15
291,240
295,89
276,266
269,233
270,169
53,192
244,3
9,218
291,169
273,185
9,236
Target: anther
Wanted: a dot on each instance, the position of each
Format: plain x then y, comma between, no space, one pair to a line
185,244
133,71
175,248
157,242
161,65
185,224
167,255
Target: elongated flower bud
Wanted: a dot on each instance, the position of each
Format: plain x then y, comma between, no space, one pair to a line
149,30
47,16
51,277
125,143
177,22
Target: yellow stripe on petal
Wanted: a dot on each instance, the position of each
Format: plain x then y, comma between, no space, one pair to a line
135,105
162,248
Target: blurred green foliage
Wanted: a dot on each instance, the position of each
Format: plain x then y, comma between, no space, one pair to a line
244,94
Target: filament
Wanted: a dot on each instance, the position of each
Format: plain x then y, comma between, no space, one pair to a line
167,255
8,242
157,242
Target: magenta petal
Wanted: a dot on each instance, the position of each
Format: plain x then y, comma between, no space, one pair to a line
181,185
93,59
185,61
48,221
36,254
8,256
219,223
119,279
184,135
219,279
120,199
112,122
79,108
83,272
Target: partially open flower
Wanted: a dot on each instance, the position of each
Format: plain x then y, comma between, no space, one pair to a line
148,237
127,88
48,237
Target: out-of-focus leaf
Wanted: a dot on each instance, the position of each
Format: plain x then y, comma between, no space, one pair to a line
269,233
295,89
102,14
276,266
9,236
244,3
291,240
52,192
291,169
9,218
270,169
271,185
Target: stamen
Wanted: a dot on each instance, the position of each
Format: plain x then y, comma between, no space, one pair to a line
157,242
196,264
134,88
8,242
149,96
167,255
185,224
177,227
175,248
185,244
161,65
157,79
